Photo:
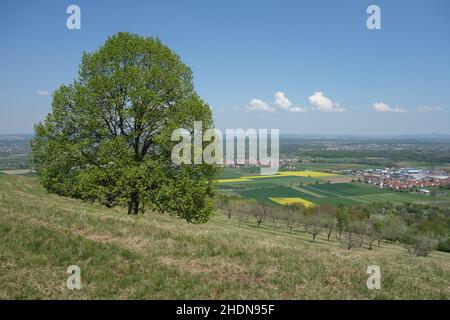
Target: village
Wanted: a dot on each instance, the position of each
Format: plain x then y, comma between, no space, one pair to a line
402,178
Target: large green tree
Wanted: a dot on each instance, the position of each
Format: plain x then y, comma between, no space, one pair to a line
108,136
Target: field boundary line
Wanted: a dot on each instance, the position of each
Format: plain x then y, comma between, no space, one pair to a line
311,193
329,192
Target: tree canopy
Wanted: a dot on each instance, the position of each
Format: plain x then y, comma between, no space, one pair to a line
108,136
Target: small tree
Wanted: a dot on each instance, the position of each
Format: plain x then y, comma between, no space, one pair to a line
422,238
420,245
328,219
394,228
260,211
361,227
342,219
292,214
243,209
226,204
275,213
375,229
350,236
312,221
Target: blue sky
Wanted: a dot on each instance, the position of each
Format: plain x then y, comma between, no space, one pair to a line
330,74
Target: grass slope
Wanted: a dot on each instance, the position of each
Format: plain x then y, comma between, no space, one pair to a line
156,256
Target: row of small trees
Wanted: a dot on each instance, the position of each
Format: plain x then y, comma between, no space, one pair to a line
357,226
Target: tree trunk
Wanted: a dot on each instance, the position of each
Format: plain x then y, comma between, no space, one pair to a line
133,206
349,244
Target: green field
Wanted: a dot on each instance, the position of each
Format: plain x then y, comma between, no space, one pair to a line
348,189
14,161
261,182
262,194
155,256
230,172
320,192
336,194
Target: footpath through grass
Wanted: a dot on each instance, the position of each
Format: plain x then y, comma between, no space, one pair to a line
155,256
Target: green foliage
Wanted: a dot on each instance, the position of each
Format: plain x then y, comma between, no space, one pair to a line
108,137
342,218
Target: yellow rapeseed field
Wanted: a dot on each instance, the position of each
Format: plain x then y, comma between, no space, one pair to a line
285,201
307,173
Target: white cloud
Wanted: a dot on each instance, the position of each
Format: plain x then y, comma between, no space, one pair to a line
43,93
324,104
399,110
259,105
429,109
281,102
284,103
383,107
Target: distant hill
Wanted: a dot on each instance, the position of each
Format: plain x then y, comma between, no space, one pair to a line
15,137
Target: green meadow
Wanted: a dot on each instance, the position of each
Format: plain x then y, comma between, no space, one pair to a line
156,256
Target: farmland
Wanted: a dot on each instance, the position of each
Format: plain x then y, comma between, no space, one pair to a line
316,187
14,162
15,152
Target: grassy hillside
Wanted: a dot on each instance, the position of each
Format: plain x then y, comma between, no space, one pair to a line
160,257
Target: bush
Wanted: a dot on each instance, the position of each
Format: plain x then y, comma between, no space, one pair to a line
420,245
